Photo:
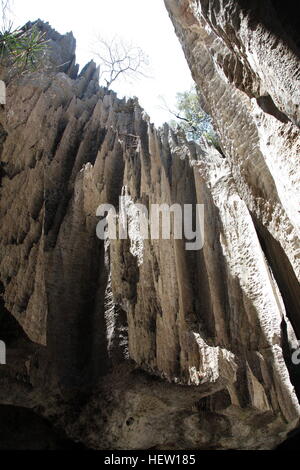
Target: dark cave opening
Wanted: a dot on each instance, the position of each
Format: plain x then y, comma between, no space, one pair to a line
289,288
268,106
280,18
292,442
283,273
10,330
289,18
22,429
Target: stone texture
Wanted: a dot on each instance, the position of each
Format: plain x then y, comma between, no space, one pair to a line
141,343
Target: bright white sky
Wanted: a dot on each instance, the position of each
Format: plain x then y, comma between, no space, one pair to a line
144,22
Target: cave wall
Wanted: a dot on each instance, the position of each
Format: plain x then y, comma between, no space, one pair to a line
141,343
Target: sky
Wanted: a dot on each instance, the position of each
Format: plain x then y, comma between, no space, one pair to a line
145,23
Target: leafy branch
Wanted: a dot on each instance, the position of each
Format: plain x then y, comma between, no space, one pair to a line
190,116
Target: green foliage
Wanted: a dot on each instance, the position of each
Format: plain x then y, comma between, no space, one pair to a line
21,49
193,120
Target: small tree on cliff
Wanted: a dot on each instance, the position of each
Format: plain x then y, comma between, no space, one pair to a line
21,49
119,59
192,118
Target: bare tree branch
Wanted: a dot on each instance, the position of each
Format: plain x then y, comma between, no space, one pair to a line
118,58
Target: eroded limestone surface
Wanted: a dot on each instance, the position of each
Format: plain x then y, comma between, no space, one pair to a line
141,343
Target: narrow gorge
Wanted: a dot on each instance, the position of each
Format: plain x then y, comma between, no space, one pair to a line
139,343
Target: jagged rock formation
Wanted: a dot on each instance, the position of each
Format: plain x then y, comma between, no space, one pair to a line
141,343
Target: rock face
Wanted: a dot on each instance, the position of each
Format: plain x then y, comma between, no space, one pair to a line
137,344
